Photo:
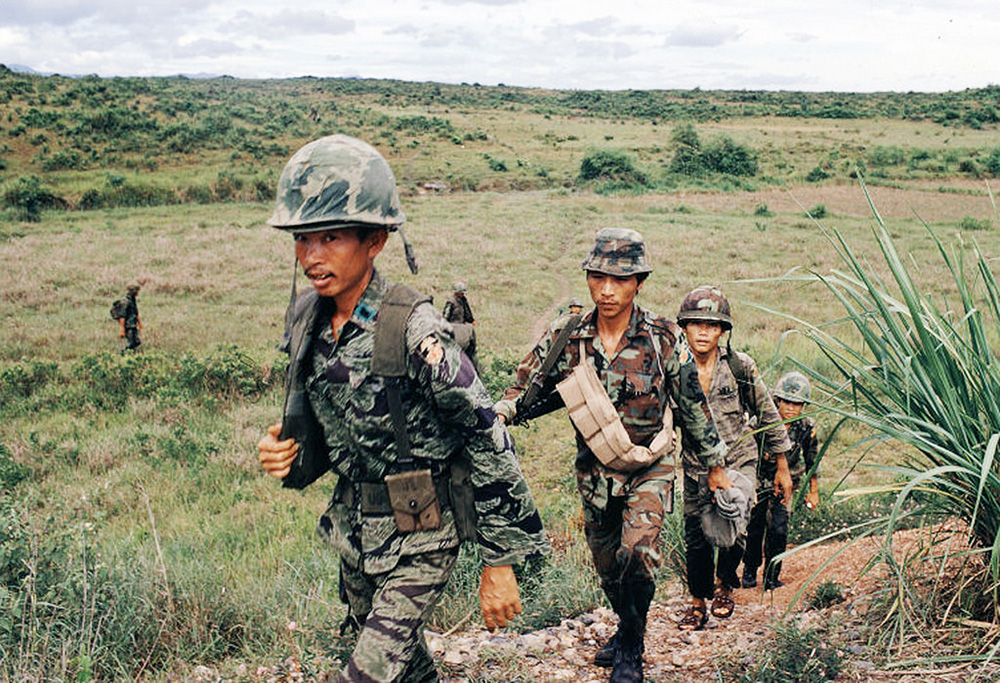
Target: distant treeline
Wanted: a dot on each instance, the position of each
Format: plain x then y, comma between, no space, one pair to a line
66,142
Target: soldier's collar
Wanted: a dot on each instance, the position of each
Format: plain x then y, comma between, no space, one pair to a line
367,308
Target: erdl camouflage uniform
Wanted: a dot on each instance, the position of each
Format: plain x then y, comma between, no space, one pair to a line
769,519
389,579
623,511
734,424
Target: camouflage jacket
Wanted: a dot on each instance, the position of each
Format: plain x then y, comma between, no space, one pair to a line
642,379
131,312
457,310
734,421
447,411
802,456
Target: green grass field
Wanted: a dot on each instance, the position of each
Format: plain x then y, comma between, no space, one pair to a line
135,516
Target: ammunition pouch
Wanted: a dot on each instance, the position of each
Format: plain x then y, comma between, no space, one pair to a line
597,420
414,501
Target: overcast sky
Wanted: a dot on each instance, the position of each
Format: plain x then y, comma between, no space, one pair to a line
842,45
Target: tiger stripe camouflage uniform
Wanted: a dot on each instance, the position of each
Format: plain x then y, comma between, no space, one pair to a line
391,580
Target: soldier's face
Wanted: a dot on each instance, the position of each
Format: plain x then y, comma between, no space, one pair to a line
788,410
703,335
613,295
338,262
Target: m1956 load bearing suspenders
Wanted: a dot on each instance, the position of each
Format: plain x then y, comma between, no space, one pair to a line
409,491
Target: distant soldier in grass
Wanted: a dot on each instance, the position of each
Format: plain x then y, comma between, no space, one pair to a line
574,306
739,402
126,312
393,416
457,308
768,528
617,371
458,312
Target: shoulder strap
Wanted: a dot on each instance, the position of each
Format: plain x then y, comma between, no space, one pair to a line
744,383
389,355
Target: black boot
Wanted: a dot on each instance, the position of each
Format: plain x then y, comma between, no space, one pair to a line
606,655
636,596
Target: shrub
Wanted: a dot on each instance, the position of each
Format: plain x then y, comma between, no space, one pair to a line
992,162
24,378
827,594
611,165
762,210
818,211
724,155
970,223
793,655
28,198
817,174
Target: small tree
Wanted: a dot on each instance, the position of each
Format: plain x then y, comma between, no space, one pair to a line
611,165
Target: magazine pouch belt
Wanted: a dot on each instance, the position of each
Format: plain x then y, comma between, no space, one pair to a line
597,420
414,498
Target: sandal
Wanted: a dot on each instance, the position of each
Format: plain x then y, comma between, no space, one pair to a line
693,620
722,604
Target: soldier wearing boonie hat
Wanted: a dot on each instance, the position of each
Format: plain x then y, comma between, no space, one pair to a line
633,353
338,198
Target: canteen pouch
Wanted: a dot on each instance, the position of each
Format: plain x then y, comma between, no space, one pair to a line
414,500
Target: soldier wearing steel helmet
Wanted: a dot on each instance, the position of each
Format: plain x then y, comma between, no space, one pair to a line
574,306
767,533
338,198
456,308
705,315
633,353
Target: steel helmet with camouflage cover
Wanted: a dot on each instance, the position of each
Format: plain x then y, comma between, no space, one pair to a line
793,387
705,303
336,181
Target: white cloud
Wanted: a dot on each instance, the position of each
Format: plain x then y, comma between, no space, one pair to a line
853,45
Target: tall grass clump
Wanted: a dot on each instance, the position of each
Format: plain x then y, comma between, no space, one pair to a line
925,373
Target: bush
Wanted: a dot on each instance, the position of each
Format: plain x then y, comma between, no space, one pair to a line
28,198
723,155
24,378
818,211
992,162
792,655
827,594
611,165
970,223
816,175
762,210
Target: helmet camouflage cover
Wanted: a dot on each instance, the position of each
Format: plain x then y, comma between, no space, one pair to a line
617,251
336,181
705,303
793,387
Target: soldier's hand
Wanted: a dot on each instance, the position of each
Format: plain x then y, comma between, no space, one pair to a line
783,481
812,497
718,479
499,598
276,455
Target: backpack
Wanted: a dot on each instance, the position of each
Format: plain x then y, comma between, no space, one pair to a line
119,308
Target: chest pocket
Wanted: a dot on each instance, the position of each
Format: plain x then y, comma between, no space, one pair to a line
728,402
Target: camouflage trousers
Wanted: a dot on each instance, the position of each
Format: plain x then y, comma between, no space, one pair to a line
623,531
391,609
132,341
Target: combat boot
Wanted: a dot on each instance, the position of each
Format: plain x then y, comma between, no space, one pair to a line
636,597
605,657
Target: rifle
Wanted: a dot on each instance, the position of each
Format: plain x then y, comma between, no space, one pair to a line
528,405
